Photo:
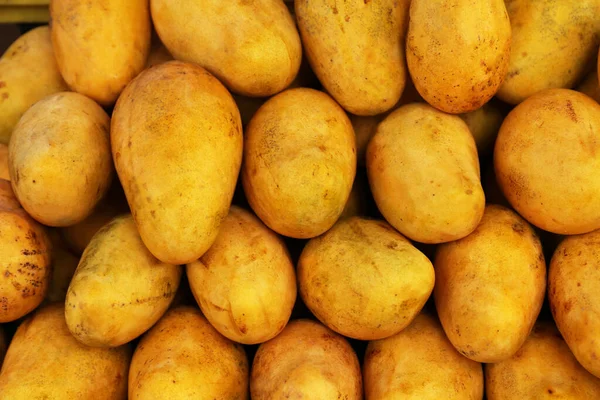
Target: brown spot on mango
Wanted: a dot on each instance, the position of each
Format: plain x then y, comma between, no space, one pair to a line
567,306
518,227
571,111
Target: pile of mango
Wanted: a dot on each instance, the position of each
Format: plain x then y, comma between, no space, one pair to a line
319,199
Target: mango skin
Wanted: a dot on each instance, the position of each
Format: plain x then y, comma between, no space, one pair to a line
490,286
25,258
424,174
253,47
299,162
306,358
70,369
419,363
547,158
356,49
245,284
176,121
366,126
553,42
543,368
573,292
458,51
59,158
359,259
21,87
119,290
100,46
184,357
